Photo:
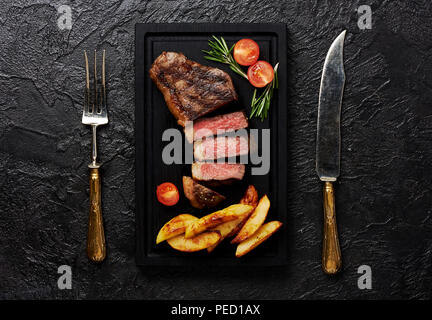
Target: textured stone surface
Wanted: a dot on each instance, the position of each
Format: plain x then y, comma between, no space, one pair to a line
383,196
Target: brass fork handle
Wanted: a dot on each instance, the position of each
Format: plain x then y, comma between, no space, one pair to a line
331,256
96,249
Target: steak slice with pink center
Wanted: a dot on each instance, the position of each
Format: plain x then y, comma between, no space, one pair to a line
217,173
221,147
211,126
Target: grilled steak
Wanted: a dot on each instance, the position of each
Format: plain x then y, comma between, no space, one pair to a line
210,126
190,89
200,196
221,147
217,173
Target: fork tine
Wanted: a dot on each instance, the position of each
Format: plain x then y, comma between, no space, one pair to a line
87,88
95,108
103,69
95,98
87,70
103,89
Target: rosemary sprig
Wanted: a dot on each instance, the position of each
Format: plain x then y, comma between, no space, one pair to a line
221,53
261,105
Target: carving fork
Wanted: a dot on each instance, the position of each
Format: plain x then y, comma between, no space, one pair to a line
95,114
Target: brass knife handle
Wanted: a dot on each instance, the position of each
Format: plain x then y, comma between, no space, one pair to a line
96,250
331,256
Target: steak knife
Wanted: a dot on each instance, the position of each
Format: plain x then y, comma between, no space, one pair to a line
328,145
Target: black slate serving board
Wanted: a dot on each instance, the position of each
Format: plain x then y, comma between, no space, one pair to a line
153,117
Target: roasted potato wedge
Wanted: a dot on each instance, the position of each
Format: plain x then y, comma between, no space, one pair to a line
262,234
250,197
230,213
225,229
174,227
239,226
199,242
255,220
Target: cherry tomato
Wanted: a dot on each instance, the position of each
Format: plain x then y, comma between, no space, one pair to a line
167,194
246,52
260,74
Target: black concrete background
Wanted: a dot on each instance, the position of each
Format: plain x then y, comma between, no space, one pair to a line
383,196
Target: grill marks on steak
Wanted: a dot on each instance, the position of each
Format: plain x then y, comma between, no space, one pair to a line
217,173
190,89
211,126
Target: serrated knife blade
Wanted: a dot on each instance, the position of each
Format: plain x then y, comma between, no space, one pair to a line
328,146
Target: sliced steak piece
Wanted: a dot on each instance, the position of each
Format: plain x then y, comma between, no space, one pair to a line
221,147
217,173
199,196
210,126
190,89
